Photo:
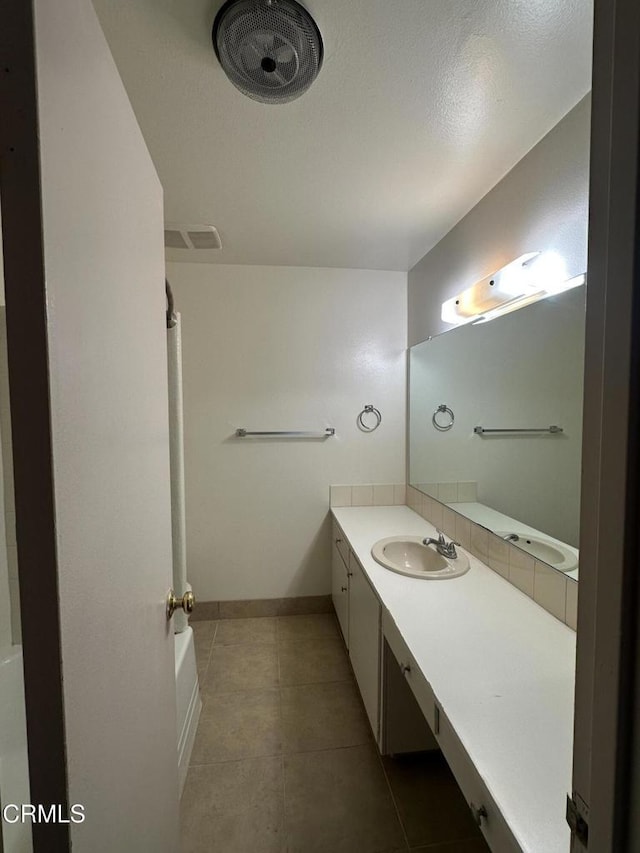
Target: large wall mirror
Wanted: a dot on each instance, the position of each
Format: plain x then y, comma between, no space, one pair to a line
511,459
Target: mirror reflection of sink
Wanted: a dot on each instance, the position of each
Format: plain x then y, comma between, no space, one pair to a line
408,556
553,553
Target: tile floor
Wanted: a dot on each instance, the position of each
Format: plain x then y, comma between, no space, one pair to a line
284,760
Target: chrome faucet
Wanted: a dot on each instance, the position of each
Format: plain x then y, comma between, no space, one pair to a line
511,537
446,549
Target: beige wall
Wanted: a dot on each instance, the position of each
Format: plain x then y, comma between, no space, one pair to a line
282,348
541,205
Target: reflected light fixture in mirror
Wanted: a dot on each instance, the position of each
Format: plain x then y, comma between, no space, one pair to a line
530,277
552,290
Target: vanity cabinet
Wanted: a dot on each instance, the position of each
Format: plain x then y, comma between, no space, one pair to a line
340,580
435,664
402,733
364,641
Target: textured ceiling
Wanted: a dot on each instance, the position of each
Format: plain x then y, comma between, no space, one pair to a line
420,108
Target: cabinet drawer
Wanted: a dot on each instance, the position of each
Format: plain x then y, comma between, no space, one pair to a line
341,543
415,679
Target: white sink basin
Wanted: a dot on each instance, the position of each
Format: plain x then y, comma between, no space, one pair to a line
408,556
551,552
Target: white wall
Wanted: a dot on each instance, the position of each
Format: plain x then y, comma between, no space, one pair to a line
541,205
282,348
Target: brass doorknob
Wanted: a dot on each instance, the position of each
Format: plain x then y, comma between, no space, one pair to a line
174,603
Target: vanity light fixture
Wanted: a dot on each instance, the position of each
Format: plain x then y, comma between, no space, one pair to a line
529,278
551,290
509,283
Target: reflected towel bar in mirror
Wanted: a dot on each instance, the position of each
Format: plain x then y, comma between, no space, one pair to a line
553,430
327,433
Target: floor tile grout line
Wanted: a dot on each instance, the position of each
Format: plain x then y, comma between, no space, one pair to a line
285,826
202,680
438,845
290,641
206,666
286,641
237,760
393,798
284,784
279,672
284,754
277,686
312,683
247,690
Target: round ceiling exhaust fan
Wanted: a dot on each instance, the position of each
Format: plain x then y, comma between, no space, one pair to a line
271,50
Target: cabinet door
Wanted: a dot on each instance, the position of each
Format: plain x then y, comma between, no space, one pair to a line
364,641
340,586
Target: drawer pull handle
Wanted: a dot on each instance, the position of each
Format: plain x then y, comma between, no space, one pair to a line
343,588
406,668
349,574
339,541
479,814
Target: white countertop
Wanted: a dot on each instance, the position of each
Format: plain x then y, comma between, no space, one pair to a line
501,667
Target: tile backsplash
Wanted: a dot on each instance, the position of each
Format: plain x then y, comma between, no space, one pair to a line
379,494
451,493
552,590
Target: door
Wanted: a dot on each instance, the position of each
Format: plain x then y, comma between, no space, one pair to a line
606,767
340,582
84,266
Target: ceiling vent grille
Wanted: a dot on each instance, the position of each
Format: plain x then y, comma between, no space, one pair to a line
191,237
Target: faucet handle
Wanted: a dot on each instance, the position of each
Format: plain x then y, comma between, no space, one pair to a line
441,537
450,549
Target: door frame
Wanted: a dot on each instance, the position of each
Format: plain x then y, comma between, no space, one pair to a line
607,692
607,640
25,292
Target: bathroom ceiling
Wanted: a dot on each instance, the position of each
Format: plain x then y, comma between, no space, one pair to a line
421,107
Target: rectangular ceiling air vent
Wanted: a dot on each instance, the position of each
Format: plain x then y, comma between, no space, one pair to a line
174,240
191,237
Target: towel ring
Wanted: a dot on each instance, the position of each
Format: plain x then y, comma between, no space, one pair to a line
440,426
369,410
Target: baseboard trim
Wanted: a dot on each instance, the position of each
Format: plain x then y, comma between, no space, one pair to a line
255,607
